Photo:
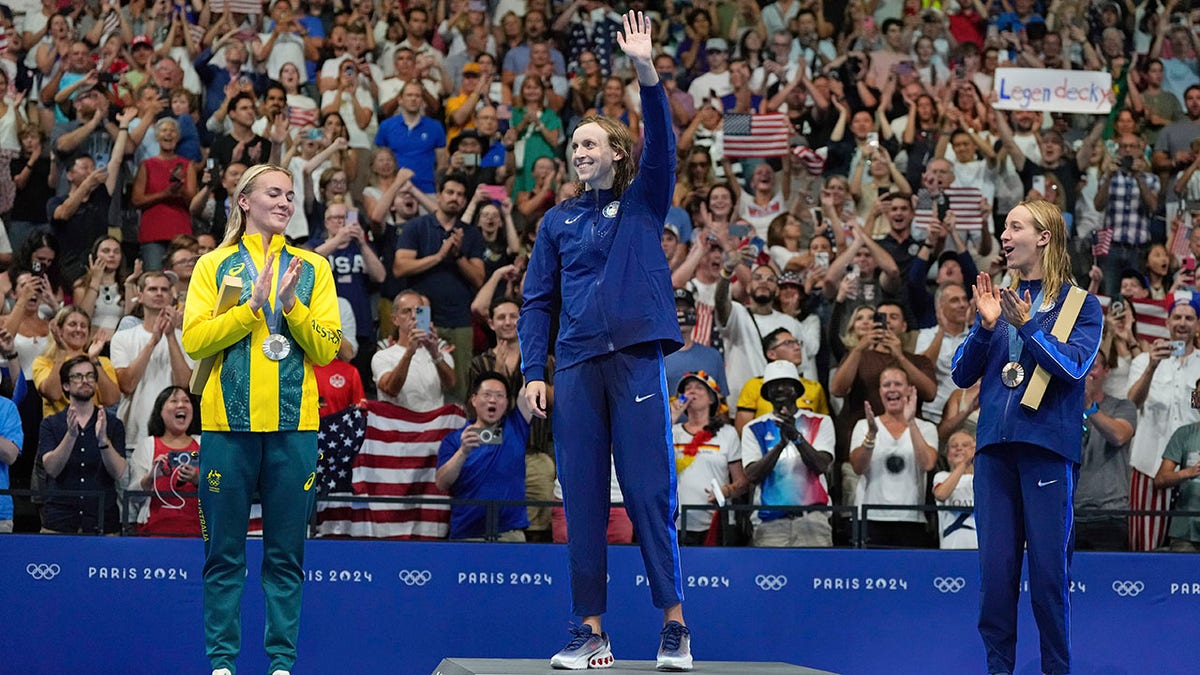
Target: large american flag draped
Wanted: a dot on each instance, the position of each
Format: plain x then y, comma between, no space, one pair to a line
764,135
338,443
398,458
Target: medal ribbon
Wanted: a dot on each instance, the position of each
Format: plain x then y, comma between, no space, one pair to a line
272,310
1014,340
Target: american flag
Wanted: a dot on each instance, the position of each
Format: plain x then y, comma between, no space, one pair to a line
398,458
1150,318
237,6
1180,249
964,203
764,135
702,333
338,442
300,117
111,23
813,160
1102,242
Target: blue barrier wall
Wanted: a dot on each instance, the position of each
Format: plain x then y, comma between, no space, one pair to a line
108,605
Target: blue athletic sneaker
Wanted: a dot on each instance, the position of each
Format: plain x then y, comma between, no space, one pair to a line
585,650
675,651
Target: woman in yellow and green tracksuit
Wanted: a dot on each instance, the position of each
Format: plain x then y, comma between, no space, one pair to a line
259,409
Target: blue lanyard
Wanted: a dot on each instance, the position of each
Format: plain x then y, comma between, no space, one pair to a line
1014,339
272,311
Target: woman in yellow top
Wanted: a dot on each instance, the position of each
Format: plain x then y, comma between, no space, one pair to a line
259,409
71,335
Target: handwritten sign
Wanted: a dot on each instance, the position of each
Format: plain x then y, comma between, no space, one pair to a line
1042,89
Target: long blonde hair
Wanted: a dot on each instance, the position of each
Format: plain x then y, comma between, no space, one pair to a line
1056,263
235,227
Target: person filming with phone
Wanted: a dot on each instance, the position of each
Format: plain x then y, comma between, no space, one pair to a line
414,372
1128,198
167,463
486,460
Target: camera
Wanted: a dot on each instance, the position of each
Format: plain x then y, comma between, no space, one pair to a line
880,319
183,458
1127,163
491,436
107,78
37,267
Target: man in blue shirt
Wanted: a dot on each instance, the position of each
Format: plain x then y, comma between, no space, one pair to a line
417,141
11,438
598,258
442,257
486,460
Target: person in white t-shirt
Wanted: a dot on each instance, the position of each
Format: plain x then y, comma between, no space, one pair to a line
744,327
414,372
893,453
706,450
149,357
956,487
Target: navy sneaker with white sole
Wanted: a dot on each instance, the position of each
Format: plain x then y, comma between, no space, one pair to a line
675,650
585,650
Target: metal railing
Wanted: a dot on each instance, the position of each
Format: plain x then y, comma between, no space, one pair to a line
857,516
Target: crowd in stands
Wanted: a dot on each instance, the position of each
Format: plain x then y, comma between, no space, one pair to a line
821,291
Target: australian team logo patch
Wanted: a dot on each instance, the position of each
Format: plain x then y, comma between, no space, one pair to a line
611,209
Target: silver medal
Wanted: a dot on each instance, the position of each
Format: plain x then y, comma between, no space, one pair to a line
276,347
1012,375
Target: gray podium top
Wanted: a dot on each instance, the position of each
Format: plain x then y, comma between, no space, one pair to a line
456,666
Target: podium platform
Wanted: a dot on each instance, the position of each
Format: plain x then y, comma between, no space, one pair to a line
456,666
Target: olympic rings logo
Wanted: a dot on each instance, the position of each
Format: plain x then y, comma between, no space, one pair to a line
43,571
949,584
1128,589
771,582
415,577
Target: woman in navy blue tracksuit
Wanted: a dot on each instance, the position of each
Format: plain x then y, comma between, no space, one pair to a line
1028,459
598,258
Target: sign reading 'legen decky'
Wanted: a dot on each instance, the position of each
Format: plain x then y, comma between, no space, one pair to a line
1077,91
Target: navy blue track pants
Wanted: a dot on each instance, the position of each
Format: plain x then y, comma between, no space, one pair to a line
616,405
1024,497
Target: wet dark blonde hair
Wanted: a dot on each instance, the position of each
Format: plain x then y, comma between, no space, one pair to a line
1056,262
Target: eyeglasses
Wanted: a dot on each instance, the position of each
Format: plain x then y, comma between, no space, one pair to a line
492,395
82,377
185,261
793,342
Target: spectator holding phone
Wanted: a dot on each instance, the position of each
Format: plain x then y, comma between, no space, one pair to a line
413,372
1128,197
162,190
167,462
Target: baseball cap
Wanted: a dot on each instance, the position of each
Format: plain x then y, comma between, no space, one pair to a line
141,41
716,45
472,67
685,296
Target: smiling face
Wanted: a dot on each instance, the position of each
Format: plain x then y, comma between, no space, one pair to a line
75,329
177,413
268,203
504,321
593,157
1181,322
893,390
960,448
490,402
1023,242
